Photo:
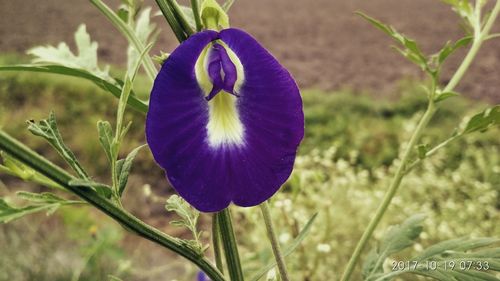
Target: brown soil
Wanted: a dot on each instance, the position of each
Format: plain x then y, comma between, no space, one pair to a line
322,42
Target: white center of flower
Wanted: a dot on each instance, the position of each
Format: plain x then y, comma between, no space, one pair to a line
224,126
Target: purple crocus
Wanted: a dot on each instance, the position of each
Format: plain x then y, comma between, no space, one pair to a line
225,120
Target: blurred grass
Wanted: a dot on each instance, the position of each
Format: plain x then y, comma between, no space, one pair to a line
343,167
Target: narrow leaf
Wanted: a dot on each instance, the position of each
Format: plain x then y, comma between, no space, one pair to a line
446,95
102,189
109,86
106,139
124,167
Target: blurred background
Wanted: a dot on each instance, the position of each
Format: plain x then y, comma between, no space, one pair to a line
362,101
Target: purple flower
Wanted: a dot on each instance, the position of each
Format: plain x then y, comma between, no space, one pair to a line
202,276
225,120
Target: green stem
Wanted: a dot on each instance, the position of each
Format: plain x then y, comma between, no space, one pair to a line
171,20
216,243
195,6
148,64
230,246
479,38
33,160
181,19
280,261
431,152
404,165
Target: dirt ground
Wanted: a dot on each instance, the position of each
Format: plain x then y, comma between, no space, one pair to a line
322,42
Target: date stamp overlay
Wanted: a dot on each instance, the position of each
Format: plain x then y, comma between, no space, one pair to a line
459,265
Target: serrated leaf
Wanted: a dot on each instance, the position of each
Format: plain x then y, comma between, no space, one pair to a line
463,8
9,213
124,169
144,31
41,202
287,250
397,238
110,86
411,50
48,130
62,55
483,120
188,218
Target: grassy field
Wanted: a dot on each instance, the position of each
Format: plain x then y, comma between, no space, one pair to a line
344,165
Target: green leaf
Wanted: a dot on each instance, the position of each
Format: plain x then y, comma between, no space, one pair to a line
45,197
422,150
106,139
483,120
287,250
449,48
48,130
62,55
446,95
188,218
465,259
102,189
112,87
464,9
411,51
47,202
189,15
123,169
460,244
161,58
145,33
398,238
9,213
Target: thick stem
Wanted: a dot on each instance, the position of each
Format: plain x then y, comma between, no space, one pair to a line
271,234
181,19
33,160
216,243
195,6
230,245
171,20
403,166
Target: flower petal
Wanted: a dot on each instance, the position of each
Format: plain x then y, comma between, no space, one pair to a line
238,149
270,108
